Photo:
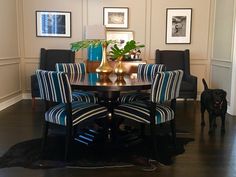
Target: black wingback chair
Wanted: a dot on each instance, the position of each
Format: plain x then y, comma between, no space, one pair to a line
48,60
179,59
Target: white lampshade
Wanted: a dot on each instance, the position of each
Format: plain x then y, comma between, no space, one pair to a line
95,32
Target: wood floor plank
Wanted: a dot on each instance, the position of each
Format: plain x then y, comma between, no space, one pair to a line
205,156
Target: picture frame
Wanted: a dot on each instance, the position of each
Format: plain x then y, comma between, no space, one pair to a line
53,24
121,36
178,25
116,17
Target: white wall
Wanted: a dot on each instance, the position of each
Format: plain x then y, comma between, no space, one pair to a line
19,46
9,51
32,44
146,19
222,55
232,107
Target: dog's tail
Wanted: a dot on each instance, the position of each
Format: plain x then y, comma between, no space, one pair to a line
205,84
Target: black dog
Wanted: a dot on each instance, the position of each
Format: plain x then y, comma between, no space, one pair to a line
214,101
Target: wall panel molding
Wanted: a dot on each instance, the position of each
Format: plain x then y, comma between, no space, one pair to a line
148,27
29,57
10,63
221,63
221,66
221,60
10,71
9,58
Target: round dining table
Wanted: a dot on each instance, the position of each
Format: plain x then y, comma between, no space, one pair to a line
108,89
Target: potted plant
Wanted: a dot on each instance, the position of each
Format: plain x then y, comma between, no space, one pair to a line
116,52
120,53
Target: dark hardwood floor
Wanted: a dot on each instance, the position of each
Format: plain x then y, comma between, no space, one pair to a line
205,156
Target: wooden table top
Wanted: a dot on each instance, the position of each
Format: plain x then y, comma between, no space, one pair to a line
96,82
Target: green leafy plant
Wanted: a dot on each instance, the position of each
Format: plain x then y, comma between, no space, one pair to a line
117,52
76,46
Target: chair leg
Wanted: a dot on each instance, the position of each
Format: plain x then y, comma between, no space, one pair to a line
68,142
154,141
33,103
173,132
44,136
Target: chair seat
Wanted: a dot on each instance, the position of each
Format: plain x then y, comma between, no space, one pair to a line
140,112
79,95
130,97
81,111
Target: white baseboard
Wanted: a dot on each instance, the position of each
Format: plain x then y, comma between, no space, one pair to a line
10,102
230,110
26,96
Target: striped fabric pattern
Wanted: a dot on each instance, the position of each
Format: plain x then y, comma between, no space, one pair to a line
166,86
81,111
130,97
146,72
140,112
80,95
76,72
54,86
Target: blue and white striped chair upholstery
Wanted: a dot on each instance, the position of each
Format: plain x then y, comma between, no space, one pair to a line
148,71
76,71
55,87
165,87
145,72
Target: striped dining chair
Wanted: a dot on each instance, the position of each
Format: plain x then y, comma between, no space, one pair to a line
76,72
165,87
55,88
145,72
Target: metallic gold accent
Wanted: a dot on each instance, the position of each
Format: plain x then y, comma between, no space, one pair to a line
120,70
104,67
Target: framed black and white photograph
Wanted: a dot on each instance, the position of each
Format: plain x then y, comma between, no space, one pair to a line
178,25
53,24
116,17
120,36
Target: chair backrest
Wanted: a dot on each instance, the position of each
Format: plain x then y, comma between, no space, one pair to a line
148,71
54,86
75,71
49,58
174,60
166,86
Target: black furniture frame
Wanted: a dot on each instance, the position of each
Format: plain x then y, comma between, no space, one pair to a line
179,59
48,60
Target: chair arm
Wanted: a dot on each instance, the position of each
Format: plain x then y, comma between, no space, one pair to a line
192,79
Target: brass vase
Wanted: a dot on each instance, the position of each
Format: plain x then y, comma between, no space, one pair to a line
104,67
120,69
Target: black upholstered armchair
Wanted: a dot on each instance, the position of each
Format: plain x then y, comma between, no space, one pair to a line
48,60
179,59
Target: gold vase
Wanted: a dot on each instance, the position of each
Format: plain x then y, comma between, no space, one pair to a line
104,67
120,69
